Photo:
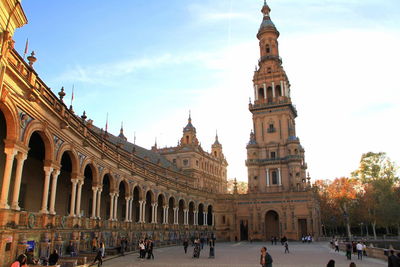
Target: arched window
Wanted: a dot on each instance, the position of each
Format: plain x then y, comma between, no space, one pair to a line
274,177
268,49
187,139
261,93
269,70
278,91
215,153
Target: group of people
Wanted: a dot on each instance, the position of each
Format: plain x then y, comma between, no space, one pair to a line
352,247
23,260
198,244
100,254
146,247
307,238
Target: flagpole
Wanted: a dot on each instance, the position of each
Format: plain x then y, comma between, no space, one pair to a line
26,48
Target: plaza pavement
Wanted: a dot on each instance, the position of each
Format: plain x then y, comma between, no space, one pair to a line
243,254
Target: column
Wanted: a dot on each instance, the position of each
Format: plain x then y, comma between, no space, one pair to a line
127,201
45,195
112,206
99,190
282,93
130,210
73,197
154,213
141,211
255,92
55,175
204,218
115,207
287,90
10,154
94,202
273,89
78,201
267,170
17,184
195,217
279,176
265,91
176,215
166,214
186,217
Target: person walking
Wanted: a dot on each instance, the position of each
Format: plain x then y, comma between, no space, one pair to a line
265,259
348,250
150,247
123,246
336,245
331,263
286,244
141,249
185,245
359,248
99,256
212,251
53,258
393,260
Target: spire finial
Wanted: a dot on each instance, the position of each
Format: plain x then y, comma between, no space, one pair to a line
190,116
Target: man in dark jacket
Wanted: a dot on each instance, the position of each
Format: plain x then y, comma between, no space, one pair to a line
265,259
393,260
53,258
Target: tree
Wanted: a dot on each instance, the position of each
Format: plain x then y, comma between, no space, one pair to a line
336,199
379,177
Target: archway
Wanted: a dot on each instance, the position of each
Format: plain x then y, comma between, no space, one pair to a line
271,224
87,191
269,94
210,215
191,213
121,201
200,214
105,197
149,209
136,204
32,181
64,185
171,206
244,230
181,215
278,91
160,208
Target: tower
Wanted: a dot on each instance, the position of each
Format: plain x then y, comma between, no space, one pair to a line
216,148
189,134
275,158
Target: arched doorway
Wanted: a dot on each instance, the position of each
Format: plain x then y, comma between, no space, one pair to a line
210,215
191,213
149,208
244,230
271,224
181,213
64,185
171,206
136,204
160,209
87,192
200,215
32,181
105,197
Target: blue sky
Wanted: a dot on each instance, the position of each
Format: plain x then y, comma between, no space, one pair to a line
148,63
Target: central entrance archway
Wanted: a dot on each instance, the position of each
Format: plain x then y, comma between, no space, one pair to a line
271,224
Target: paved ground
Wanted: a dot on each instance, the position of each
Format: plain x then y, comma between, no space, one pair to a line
245,254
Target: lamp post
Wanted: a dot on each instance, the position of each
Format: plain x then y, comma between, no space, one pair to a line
361,226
